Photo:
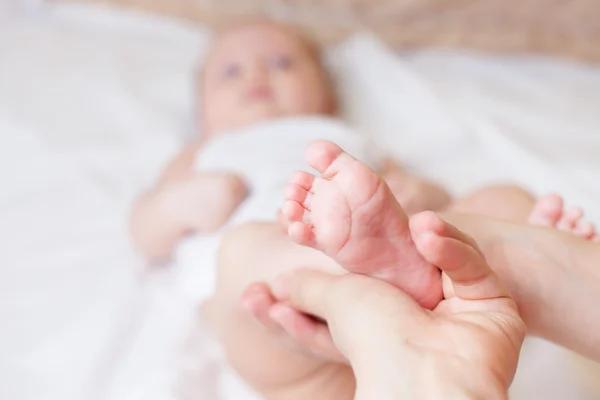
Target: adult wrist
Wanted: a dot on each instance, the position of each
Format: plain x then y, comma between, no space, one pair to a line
457,381
410,374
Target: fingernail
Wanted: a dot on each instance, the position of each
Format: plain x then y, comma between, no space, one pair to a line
281,286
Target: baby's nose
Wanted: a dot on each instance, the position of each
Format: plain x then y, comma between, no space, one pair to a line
259,73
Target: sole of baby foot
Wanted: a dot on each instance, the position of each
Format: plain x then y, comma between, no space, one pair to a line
351,215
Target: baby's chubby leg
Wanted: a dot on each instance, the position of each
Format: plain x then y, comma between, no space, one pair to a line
267,359
515,204
507,202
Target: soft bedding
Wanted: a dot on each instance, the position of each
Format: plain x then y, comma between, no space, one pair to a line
94,101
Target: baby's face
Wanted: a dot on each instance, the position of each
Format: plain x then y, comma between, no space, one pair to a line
258,72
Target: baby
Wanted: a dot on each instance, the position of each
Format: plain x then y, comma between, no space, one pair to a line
265,100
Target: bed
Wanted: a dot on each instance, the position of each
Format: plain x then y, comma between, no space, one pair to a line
94,100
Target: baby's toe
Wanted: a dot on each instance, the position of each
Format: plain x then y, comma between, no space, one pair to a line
585,230
292,210
570,219
547,211
295,192
301,233
303,179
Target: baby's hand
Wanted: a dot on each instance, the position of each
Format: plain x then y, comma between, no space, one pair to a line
205,200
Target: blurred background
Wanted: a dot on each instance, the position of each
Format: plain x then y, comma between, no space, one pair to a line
557,27
97,95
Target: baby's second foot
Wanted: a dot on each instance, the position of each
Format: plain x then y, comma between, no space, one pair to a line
549,211
351,215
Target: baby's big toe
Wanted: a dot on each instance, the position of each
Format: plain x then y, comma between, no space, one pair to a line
547,211
322,154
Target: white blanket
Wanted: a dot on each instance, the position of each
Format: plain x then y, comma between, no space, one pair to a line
93,103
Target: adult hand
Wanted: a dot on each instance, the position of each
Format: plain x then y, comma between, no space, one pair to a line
468,347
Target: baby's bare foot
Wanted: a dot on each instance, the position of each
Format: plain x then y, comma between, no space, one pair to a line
351,215
549,211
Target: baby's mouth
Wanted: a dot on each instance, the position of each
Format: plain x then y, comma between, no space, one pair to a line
260,93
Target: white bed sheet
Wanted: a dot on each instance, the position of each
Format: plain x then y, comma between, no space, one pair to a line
92,103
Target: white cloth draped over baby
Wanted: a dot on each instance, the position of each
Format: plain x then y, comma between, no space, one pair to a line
265,156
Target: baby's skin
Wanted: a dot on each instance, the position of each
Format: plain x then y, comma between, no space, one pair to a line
349,213
350,217
255,72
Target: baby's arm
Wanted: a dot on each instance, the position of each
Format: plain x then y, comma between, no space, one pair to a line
183,201
413,193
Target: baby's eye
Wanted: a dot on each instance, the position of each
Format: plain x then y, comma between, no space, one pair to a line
282,63
232,71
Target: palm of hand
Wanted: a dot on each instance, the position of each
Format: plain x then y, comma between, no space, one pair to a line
485,333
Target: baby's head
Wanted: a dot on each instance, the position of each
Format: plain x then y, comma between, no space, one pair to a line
262,70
